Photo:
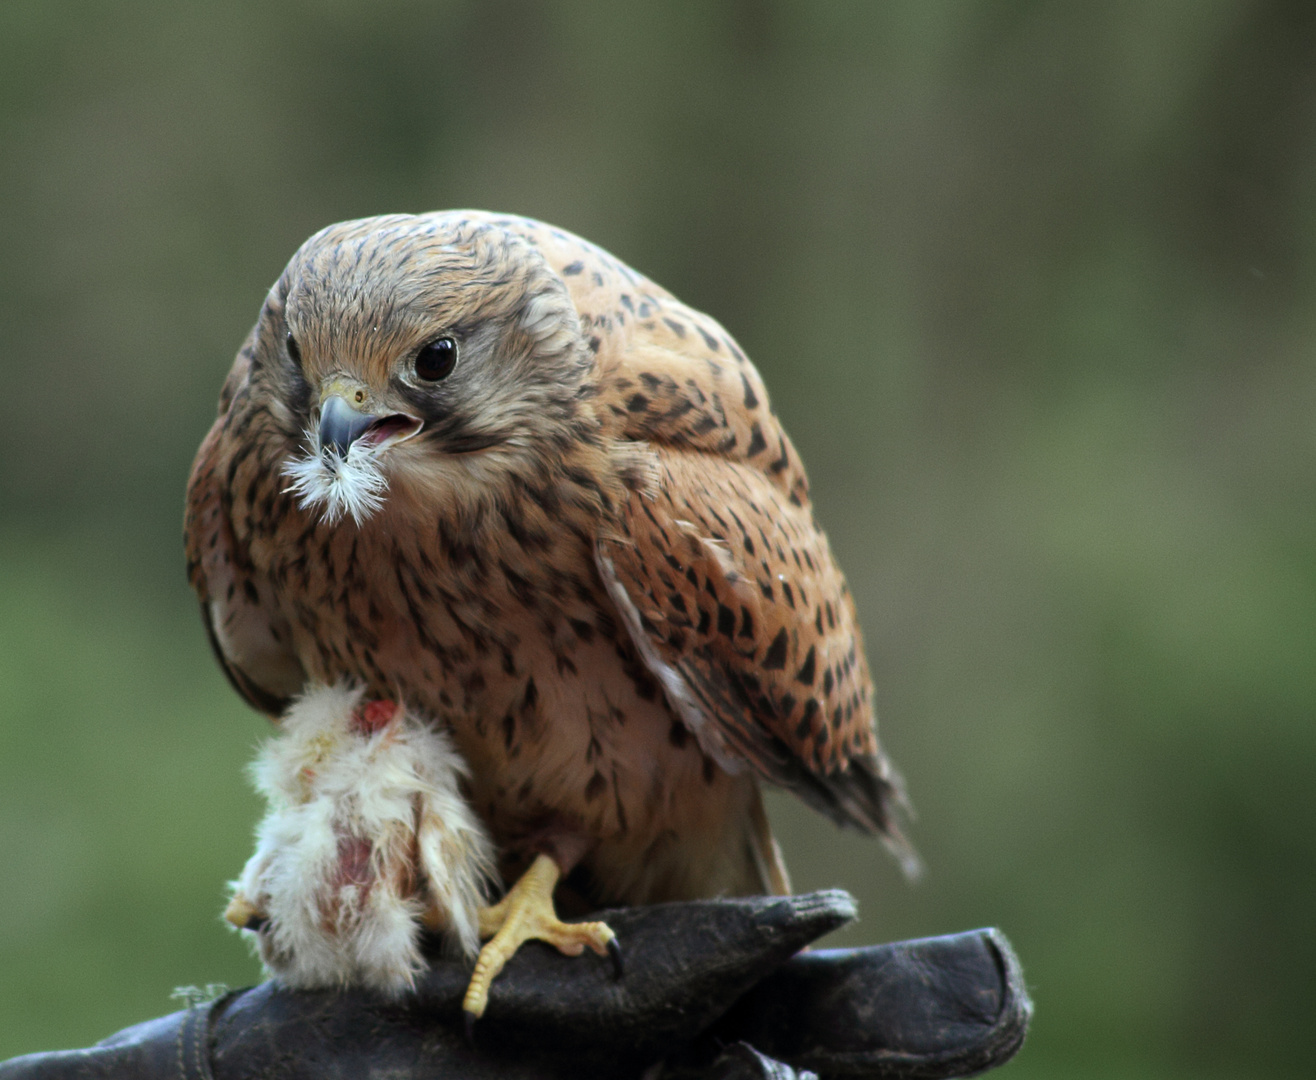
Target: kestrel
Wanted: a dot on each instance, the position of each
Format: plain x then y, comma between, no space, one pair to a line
476,464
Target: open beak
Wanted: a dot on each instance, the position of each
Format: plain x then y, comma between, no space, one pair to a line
341,425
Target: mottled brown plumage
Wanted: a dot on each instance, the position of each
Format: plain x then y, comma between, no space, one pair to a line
595,561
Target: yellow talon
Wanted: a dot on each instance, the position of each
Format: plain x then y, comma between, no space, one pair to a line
526,913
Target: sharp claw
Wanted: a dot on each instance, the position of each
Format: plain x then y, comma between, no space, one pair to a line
468,1021
614,951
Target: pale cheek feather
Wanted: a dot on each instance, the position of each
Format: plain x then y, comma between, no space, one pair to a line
427,478
549,319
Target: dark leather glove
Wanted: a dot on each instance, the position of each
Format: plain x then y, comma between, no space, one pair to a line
712,989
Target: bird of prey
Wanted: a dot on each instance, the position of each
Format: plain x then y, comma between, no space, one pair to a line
476,464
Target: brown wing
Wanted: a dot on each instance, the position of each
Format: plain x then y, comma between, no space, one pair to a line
748,622
251,646
726,583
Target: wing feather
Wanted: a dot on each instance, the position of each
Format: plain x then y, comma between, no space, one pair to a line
760,653
251,645
722,576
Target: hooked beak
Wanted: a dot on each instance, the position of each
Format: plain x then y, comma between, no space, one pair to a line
341,425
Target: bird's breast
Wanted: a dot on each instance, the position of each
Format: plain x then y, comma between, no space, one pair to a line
502,631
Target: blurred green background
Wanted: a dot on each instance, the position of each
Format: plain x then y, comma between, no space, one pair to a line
1031,283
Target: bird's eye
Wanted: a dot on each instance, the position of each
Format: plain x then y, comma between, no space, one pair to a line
293,350
436,359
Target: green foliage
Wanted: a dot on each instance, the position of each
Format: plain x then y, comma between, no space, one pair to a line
1030,284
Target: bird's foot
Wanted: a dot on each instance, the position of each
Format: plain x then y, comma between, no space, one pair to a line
243,914
526,913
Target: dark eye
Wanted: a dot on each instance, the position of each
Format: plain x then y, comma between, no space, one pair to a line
293,350
436,359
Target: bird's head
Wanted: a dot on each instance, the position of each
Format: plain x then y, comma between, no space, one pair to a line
407,353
